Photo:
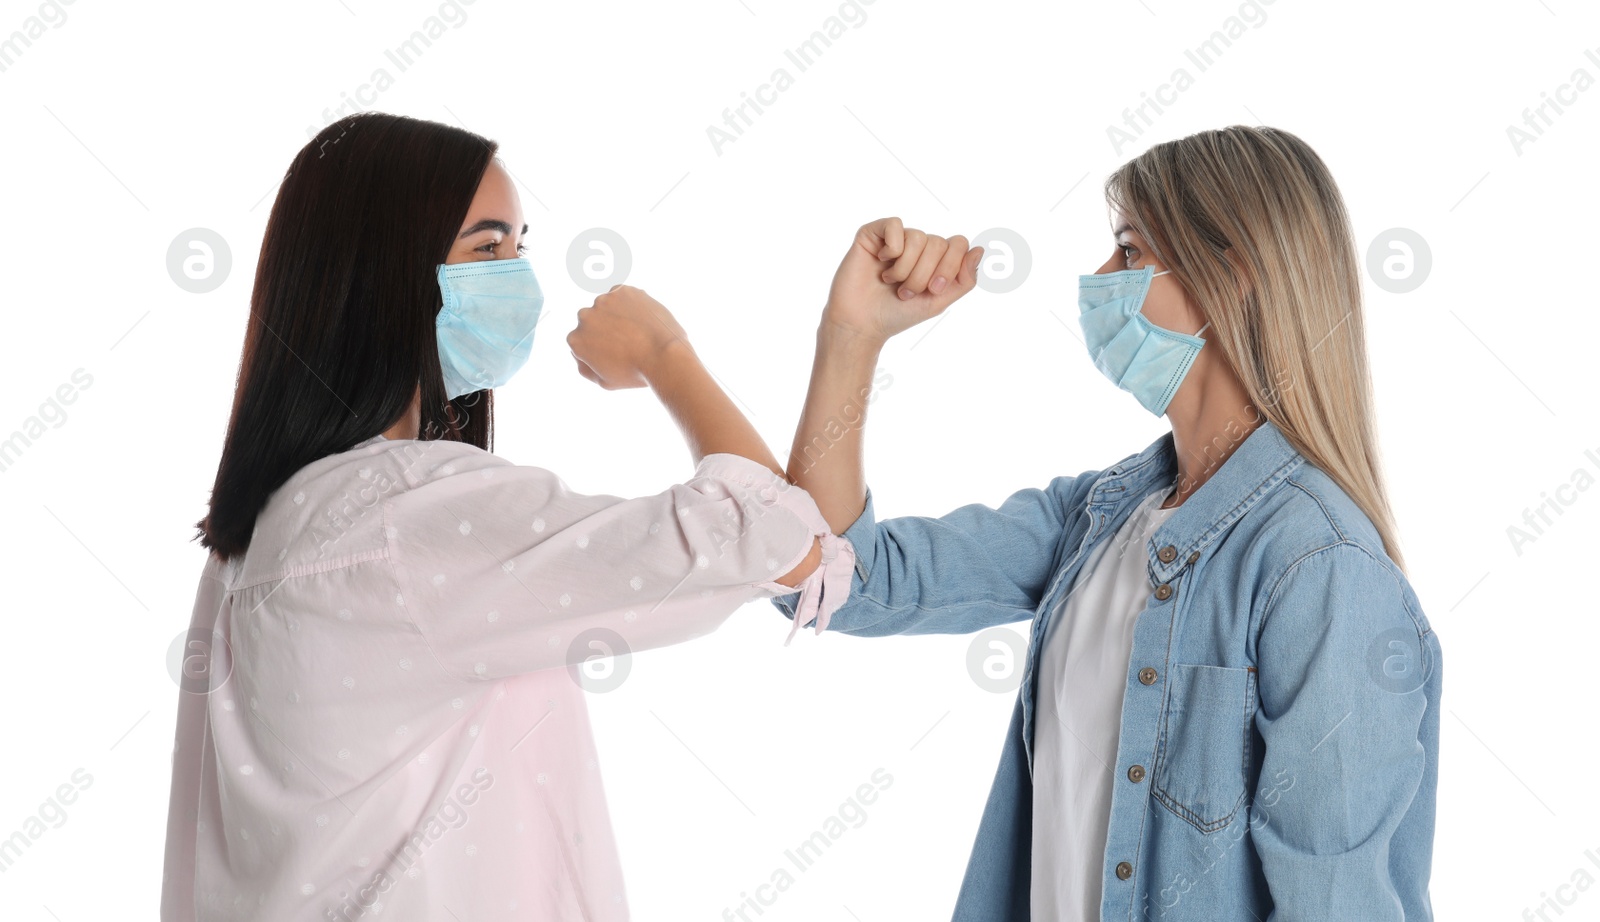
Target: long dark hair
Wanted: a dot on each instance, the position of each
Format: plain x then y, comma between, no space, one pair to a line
341,329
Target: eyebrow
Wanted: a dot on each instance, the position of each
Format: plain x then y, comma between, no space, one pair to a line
489,224
1122,230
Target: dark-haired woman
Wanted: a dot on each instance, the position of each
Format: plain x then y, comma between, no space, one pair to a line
378,720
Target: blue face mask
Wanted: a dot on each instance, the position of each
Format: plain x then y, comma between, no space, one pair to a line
485,327
1143,359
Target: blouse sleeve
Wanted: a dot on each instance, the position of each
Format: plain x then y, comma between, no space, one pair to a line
505,571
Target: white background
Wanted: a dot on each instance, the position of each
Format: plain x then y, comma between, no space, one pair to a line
129,123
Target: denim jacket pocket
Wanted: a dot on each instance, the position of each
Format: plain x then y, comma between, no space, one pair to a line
1203,750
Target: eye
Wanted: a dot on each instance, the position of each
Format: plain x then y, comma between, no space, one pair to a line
1129,251
488,247
522,249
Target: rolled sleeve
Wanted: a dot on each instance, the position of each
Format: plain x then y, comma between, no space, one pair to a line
855,541
826,588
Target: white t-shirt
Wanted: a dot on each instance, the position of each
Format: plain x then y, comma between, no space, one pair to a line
1083,664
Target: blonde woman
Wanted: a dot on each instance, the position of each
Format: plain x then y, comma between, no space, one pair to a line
1230,708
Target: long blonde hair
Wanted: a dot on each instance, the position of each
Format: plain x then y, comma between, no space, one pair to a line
1250,221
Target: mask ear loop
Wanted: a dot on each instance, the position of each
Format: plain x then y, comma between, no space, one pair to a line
1196,332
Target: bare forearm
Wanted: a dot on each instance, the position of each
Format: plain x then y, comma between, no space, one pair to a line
707,417
712,424
826,459
628,339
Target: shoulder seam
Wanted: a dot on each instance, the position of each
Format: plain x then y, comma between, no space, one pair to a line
1320,505
1272,597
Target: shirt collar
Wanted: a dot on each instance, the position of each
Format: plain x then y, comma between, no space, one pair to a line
1259,463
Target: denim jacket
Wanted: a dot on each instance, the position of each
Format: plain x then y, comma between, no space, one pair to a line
1278,752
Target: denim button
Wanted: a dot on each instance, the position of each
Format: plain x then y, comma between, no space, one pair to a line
1147,676
1124,870
1167,554
1195,556
1136,774
1164,592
